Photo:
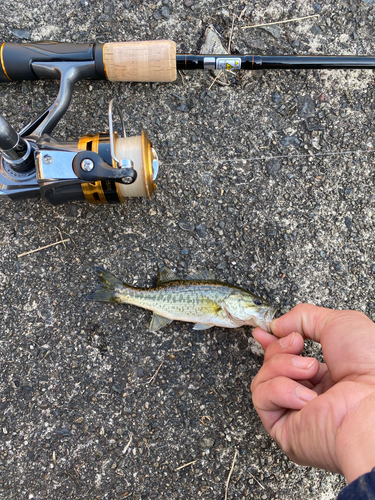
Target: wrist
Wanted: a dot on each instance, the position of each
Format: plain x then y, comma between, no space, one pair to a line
356,440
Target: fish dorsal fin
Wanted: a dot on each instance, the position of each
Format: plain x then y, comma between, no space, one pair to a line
167,275
204,275
158,322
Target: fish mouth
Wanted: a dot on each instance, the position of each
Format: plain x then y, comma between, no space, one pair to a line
266,318
261,317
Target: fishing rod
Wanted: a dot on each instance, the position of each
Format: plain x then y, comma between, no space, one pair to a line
105,168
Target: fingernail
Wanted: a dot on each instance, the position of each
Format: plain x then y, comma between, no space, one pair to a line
286,341
304,363
304,394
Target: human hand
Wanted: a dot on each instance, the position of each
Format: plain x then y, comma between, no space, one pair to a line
320,414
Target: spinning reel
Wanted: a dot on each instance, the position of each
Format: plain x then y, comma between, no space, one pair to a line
101,168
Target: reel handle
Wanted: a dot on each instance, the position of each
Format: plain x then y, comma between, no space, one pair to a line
90,167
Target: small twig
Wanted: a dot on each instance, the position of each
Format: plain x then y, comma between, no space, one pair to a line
223,84
242,12
205,416
182,76
61,236
44,357
147,446
152,379
31,340
71,239
43,248
260,484
128,444
205,488
231,33
230,473
217,76
185,465
279,22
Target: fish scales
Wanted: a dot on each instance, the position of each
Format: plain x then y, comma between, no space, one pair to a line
177,300
205,302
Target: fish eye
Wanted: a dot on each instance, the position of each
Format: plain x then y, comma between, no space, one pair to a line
257,302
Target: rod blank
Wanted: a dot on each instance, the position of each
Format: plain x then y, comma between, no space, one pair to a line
256,62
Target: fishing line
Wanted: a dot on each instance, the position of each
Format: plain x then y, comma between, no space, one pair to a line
259,158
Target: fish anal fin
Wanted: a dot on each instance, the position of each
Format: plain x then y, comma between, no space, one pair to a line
167,275
204,275
158,322
202,326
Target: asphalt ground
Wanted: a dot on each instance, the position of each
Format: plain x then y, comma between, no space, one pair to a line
266,179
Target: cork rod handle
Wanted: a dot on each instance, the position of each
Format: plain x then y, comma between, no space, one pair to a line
150,61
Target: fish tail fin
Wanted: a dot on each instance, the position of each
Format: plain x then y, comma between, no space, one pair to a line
106,289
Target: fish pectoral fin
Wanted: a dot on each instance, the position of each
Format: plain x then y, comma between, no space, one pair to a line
202,326
158,322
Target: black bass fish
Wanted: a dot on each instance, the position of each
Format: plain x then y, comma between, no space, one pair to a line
199,299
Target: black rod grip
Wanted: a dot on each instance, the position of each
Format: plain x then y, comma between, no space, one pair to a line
17,58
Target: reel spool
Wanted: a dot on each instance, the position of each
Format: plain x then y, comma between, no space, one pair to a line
138,150
135,152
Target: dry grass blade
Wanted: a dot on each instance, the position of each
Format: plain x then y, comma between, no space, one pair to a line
217,76
43,248
279,22
186,465
152,379
260,484
61,236
128,443
229,475
231,34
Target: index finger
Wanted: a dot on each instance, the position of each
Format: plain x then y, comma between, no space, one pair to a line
347,337
311,321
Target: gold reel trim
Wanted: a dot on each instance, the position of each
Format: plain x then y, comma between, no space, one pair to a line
93,191
2,61
147,165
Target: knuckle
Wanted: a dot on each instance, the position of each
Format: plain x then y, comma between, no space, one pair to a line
253,384
277,361
255,396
